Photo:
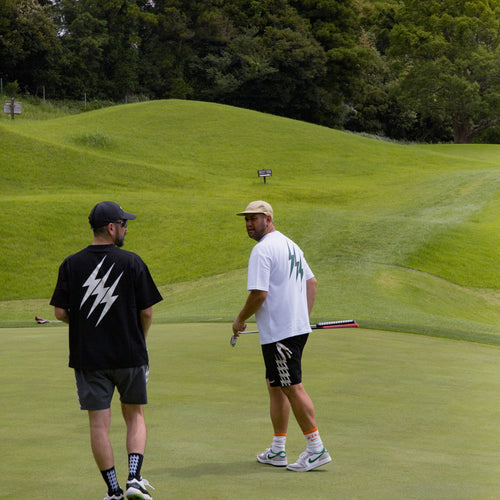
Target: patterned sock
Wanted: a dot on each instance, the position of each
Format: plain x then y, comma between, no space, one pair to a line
313,441
109,476
279,441
134,465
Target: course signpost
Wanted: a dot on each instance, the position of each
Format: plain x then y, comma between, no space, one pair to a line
265,173
12,107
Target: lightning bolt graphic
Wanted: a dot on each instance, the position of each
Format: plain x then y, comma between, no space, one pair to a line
292,257
91,282
100,291
103,294
300,270
109,298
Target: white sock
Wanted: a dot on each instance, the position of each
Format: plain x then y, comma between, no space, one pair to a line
279,441
313,441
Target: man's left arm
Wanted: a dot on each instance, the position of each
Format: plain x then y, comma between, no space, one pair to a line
311,285
61,314
146,316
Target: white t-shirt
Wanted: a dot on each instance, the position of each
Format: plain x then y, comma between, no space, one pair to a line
278,267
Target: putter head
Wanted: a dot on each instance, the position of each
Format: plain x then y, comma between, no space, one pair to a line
234,338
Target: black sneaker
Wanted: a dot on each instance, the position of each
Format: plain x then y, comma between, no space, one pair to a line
117,495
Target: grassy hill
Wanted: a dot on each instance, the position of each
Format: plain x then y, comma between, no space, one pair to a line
399,236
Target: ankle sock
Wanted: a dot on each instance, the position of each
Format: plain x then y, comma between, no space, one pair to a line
279,441
109,475
134,465
313,441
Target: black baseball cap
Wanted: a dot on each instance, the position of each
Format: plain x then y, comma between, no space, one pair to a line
107,211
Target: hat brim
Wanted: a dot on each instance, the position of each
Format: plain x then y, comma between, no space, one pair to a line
128,216
252,212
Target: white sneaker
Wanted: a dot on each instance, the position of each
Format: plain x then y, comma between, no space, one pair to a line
278,459
309,460
136,489
114,496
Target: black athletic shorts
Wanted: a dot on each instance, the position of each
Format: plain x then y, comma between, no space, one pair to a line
95,388
283,360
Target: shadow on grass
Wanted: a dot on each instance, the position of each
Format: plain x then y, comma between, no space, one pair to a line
241,468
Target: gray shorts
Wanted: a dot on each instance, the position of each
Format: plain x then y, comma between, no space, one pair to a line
95,389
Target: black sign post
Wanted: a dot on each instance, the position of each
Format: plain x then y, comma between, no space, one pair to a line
265,173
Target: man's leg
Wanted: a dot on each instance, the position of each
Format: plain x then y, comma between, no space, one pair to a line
133,415
303,409
136,428
279,409
302,406
100,421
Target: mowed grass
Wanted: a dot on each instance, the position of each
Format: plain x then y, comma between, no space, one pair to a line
401,237
404,416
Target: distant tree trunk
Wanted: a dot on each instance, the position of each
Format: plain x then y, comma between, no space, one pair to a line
462,133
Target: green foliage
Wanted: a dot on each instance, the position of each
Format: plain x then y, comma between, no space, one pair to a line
100,43
28,43
266,59
98,140
386,227
416,71
12,89
35,108
293,59
450,60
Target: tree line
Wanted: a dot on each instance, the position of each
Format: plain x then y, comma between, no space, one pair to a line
415,70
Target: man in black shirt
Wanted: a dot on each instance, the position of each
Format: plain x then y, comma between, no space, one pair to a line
106,294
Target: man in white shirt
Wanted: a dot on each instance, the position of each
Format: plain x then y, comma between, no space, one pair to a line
282,289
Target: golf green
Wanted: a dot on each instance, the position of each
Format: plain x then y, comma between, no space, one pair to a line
404,417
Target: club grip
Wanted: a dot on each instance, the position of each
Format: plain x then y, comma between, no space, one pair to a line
333,324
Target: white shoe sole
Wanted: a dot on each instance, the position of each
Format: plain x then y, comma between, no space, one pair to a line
135,494
299,468
271,462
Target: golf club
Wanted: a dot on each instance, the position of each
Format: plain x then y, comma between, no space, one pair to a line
42,321
342,323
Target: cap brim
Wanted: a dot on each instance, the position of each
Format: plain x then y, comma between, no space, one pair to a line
251,212
128,216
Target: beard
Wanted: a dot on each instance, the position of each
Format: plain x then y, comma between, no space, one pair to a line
257,235
119,240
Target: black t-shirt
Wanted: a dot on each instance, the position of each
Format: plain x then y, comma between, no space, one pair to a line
104,288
